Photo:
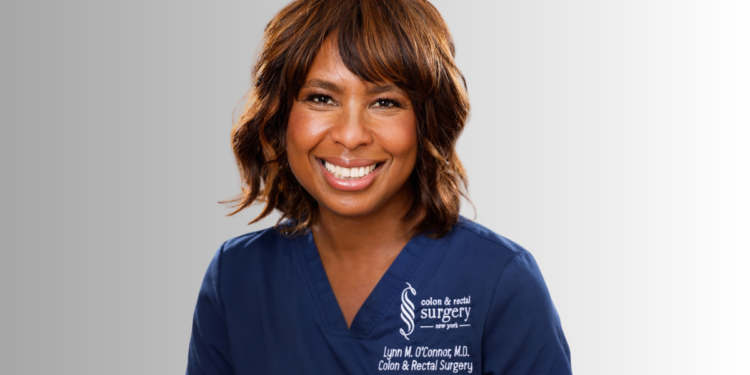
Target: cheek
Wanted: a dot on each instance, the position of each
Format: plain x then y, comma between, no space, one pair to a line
303,133
298,146
401,141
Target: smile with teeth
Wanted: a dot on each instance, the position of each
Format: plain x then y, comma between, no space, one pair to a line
348,173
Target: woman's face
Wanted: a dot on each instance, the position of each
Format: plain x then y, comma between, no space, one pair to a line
350,143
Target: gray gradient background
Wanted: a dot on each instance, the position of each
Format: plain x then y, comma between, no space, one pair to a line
608,138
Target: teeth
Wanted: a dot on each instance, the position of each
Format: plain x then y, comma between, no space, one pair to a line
348,173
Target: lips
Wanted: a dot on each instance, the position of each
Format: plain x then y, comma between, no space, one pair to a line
349,175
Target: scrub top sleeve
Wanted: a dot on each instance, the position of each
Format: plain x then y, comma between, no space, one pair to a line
523,334
209,344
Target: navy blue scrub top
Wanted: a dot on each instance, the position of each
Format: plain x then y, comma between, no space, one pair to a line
470,302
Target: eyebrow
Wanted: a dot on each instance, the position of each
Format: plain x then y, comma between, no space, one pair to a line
327,85
381,89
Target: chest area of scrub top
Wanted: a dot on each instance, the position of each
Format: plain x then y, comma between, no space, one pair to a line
426,314
420,317
431,329
376,303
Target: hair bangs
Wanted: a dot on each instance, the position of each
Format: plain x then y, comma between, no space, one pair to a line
384,40
378,41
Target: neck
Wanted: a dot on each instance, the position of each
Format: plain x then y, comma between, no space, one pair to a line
376,235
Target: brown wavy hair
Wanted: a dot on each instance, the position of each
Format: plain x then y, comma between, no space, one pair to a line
402,41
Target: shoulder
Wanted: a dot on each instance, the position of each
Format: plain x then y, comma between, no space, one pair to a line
507,262
252,258
255,248
521,320
514,268
479,253
481,241
252,241
264,240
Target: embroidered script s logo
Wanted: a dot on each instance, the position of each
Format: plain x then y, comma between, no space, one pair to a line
407,311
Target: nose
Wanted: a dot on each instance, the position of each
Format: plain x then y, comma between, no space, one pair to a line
352,128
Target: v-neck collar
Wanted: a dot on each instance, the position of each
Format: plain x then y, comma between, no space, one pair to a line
381,297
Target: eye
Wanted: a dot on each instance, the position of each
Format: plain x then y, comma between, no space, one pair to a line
386,103
319,99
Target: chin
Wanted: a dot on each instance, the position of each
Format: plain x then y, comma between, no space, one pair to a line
348,210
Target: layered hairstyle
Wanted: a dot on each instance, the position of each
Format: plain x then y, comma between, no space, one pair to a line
405,42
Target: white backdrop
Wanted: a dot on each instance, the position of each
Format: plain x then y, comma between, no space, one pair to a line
608,138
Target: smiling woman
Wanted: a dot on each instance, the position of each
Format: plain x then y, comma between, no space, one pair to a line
350,131
402,51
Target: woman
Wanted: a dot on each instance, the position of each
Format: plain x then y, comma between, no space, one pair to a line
350,132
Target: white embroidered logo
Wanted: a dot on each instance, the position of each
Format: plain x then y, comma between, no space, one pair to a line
407,311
